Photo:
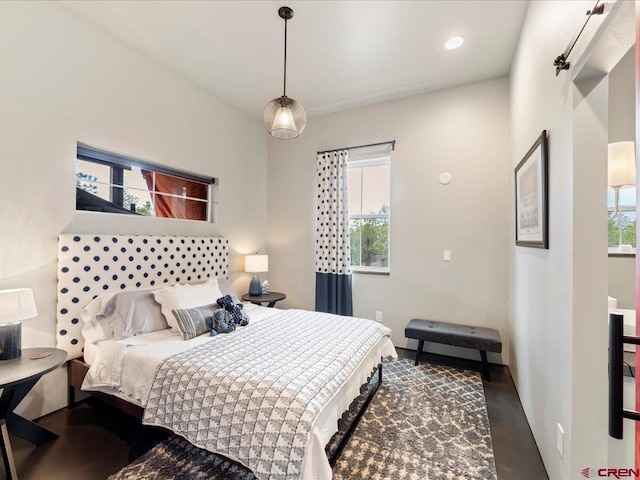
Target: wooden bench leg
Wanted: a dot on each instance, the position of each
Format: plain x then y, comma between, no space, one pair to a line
485,366
419,351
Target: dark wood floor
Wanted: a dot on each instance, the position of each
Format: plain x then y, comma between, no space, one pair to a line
96,441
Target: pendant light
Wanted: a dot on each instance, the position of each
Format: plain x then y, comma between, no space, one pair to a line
284,117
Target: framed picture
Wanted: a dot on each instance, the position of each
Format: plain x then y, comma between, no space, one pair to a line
532,196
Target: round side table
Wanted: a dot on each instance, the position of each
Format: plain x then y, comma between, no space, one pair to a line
17,378
272,298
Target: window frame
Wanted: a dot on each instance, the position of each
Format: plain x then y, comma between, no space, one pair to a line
372,161
118,163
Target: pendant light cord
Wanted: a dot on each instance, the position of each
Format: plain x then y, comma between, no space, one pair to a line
285,58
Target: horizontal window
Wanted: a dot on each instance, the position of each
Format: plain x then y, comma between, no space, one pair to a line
107,182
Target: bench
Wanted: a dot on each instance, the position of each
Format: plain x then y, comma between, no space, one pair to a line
483,339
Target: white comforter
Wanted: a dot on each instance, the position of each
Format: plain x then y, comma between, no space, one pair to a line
127,368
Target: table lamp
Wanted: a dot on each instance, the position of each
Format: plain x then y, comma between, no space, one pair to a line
15,305
254,264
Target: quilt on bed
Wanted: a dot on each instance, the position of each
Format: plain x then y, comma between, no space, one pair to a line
254,394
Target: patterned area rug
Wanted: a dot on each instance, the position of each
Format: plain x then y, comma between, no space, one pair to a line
425,422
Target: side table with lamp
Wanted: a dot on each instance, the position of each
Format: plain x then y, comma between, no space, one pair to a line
257,293
19,372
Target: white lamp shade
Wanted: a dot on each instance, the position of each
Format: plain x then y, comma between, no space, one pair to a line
256,263
17,304
284,118
622,165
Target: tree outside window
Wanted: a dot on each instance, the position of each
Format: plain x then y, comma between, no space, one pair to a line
370,240
622,226
369,214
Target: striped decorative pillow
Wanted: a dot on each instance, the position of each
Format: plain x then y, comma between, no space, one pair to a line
194,321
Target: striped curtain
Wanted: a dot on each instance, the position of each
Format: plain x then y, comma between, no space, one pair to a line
333,262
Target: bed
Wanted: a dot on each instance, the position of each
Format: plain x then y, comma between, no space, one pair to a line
268,395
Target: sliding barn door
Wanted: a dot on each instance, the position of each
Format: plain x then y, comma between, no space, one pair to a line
637,70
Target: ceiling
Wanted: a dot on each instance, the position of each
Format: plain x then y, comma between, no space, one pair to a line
340,54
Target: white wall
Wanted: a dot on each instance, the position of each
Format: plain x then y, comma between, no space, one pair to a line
464,131
557,317
622,89
63,80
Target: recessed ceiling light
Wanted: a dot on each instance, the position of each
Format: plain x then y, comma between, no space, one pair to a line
454,42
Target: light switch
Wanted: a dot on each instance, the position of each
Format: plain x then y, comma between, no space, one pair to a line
560,440
447,255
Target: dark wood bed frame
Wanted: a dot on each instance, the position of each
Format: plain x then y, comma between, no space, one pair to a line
78,368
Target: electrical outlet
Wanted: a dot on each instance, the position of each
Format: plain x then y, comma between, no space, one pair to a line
447,255
378,316
560,440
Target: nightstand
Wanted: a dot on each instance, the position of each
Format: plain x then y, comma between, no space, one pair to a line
17,378
272,298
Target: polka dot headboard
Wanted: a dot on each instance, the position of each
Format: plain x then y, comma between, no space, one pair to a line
90,265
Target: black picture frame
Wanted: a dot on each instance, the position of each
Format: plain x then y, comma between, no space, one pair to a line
532,196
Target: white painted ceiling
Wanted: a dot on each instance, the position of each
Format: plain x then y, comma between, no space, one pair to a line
341,54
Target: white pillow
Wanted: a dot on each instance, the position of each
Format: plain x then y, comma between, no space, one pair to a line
186,296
